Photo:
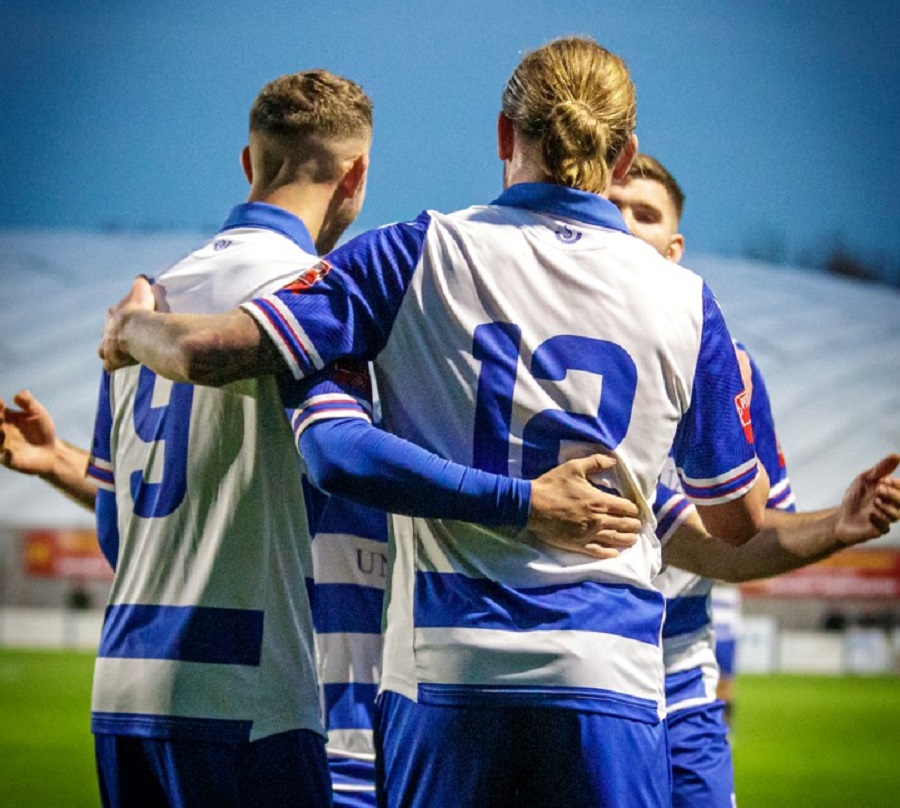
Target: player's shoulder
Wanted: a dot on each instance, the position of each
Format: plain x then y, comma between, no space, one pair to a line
230,268
490,214
472,213
652,262
400,240
659,279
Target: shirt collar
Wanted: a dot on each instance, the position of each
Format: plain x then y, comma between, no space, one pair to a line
271,217
568,203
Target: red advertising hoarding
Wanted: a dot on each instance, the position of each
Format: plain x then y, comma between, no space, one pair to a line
72,554
854,574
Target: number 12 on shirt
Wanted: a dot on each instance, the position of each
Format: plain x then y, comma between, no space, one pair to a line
497,347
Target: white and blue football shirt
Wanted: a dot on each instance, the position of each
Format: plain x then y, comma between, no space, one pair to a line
208,632
511,337
350,562
725,604
692,673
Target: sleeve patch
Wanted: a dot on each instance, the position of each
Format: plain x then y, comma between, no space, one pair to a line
306,279
742,405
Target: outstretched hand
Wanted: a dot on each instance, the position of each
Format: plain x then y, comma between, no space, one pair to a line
113,349
27,436
871,504
570,513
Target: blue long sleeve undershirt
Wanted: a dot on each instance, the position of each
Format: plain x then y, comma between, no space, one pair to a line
352,458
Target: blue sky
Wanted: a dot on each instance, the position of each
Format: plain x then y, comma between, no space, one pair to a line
779,119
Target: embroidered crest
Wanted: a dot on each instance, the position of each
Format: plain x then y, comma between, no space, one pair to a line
568,235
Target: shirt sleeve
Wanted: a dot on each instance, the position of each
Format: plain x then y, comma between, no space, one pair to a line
768,449
670,509
354,459
346,304
100,469
713,447
341,390
346,455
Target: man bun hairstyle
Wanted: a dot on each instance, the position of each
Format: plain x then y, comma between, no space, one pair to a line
577,99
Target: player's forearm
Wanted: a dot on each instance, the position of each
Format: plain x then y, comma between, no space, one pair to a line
776,550
793,543
69,474
777,518
198,349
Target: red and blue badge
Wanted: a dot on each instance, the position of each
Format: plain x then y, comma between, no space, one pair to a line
312,275
742,404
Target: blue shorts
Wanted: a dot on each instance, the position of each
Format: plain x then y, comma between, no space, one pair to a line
702,769
461,757
288,769
352,782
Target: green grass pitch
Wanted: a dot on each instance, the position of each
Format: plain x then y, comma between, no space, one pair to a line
817,741
46,749
799,740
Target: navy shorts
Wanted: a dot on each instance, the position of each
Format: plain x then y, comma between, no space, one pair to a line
288,769
470,757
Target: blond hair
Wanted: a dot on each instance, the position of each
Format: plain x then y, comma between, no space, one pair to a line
295,116
646,167
577,99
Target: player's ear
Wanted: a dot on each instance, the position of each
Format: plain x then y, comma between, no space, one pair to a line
354,177
504,137
625,158
675,249
247,164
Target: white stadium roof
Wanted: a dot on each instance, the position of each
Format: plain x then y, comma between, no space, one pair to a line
829,349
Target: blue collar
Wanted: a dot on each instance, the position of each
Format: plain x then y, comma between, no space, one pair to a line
568,203
271,217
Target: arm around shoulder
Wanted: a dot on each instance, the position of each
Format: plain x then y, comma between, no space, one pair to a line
194,348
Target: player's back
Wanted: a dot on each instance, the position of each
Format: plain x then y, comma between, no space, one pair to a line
208,632
550,336
551,339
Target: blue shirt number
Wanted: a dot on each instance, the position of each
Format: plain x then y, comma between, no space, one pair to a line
496,346
165,428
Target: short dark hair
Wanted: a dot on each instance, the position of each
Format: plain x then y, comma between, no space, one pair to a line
313,102
646,167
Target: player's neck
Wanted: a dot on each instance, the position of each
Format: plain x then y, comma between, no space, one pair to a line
308,202
516,173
